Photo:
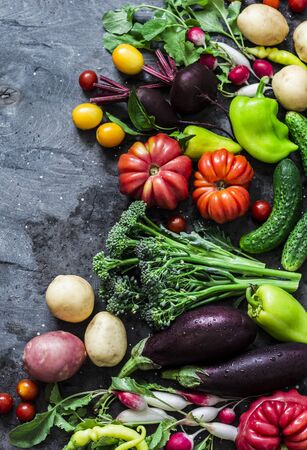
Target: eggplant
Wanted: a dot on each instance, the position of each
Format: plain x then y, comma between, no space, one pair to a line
206,334
256,372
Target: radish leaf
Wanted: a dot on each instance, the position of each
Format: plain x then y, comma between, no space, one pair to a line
119,21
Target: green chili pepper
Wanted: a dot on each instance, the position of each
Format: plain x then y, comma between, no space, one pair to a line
257,128
206,141
278,313
278,56
135,440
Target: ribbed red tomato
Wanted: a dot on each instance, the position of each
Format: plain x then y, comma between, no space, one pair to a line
155,172
221,185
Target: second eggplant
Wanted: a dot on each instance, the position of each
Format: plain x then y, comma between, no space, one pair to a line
207,334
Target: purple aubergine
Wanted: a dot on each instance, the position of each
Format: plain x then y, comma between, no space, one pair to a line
192,89
206,334
255,372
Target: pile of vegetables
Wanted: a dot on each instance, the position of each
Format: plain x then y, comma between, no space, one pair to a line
168,276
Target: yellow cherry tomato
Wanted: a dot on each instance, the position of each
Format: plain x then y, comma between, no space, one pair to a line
128,59
110,135
87,116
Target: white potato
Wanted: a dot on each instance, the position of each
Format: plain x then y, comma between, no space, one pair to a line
263,25
300,40
106,340
290,88
70,298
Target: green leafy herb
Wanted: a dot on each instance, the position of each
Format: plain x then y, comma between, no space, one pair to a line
62,423
55,395
86,424
32,433
123,125
130,385
111,41
182,51
71,404
232,15
119,21
138,116
158,440
153,28
206,444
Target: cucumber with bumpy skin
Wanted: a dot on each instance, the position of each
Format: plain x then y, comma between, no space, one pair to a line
297,124
287,207
295,250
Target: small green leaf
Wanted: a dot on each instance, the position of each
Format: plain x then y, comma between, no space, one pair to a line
137,114
124,126
119,21
111,41
86,424
153,28
105,442
158,440
182,138
183,52
55,395
232,14
32,433
61,423
74,403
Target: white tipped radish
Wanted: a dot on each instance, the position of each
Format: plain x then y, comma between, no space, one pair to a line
182,441
239,75
227,416
222,431
263,68
250,90
148,416
200,399
197,36
209,61
200,415
237,58
132,401
167,401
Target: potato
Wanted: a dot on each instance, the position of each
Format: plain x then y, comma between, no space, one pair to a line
70,298
300,41
105,340
263,25
290,88
54,356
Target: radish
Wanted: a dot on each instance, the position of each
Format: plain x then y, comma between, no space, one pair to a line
197,36
239,75
222,431
132,401
182,441
227,416
263,68
200,399
209,61
203,414
147,416
235,56
166,401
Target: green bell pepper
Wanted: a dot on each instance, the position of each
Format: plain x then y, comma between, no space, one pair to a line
206,141
257,128
278,313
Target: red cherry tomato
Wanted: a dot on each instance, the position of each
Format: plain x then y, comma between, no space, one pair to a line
87,80
25,412
297,6
27,390
6,403
261,210
176,224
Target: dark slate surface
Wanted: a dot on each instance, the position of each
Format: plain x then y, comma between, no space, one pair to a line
58,188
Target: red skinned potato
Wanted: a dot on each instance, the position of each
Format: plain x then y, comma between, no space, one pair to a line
54,356
155,172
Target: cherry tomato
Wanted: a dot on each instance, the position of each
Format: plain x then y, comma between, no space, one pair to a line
297,6
128,59
110,135
176,224
261,210
273,3
87,116
25,412
87,80
6,403
27,390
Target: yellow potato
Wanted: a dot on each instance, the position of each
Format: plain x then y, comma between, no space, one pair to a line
263,25
290,88
300,40
70,298
106,340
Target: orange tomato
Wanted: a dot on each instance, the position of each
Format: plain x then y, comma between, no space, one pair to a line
273,3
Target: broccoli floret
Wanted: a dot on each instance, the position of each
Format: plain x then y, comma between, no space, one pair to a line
122,295
103,265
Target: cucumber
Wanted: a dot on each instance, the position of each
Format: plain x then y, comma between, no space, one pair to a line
295,250
298,129
285,213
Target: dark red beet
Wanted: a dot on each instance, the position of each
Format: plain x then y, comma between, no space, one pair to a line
156,105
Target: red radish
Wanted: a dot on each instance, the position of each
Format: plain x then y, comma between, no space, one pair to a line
197,36
182,441
263,68
132,401
200,399
166,401
203,414
227,416
209,61
239,75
